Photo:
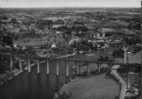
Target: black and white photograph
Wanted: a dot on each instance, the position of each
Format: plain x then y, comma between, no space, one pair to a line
70,49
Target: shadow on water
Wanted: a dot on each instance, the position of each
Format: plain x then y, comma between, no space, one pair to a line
28,86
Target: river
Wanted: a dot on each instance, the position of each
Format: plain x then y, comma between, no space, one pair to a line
29,86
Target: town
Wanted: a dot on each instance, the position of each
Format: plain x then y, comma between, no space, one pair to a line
62,53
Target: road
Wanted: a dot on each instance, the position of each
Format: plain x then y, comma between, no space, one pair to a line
122,82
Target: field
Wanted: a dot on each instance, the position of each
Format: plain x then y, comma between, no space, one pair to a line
95,87
31,26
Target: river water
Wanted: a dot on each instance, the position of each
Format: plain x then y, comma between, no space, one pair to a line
29,86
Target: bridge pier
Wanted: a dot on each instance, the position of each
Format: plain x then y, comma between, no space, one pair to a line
67,70
20,65
11,63
48,69
88,70
29,65
78,69
98,65
38,67
99,68
71,70
57,69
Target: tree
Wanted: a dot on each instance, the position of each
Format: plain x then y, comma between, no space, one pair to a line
118,53
135,22
132,40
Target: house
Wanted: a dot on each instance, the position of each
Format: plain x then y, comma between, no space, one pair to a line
45,23
58,23
99,35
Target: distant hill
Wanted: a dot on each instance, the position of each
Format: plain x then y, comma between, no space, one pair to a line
32,10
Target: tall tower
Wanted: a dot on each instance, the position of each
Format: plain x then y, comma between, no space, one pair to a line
141,15
141,4
125,59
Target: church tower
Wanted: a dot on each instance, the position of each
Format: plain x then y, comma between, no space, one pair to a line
141,15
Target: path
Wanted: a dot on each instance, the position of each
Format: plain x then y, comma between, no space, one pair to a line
122,82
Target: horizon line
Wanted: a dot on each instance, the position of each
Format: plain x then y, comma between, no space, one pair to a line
66,7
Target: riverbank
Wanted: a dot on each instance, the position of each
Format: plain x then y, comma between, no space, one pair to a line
5,77
9,75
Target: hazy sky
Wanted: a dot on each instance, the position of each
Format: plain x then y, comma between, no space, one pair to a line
70,3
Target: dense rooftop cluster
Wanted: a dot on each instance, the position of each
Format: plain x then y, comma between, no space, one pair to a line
82,30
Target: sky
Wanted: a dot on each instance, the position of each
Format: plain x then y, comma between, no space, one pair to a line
68,3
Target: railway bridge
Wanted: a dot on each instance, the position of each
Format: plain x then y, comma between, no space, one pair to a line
59,70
